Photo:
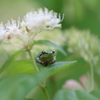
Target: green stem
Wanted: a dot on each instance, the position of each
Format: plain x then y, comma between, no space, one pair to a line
92,77
53,85
43,87
33,62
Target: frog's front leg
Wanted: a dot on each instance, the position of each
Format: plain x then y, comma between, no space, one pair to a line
39,61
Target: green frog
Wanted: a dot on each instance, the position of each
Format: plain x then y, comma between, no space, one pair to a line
46,57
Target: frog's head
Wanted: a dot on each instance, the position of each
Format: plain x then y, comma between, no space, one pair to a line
49,53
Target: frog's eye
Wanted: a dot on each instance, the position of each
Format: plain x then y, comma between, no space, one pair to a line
53,51
43,52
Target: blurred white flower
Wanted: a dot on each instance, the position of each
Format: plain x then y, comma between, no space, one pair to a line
24,32
2,32
12,29
85,44
39,20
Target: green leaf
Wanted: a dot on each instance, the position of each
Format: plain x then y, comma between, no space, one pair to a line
10,60
18,67
49,43
18,86
96,93
56,67
29,99
74,95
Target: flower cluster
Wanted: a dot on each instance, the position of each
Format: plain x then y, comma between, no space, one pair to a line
85,44
24,31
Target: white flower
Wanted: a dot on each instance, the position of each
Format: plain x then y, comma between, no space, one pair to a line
24,32
39,20
2,32
85,44
12,29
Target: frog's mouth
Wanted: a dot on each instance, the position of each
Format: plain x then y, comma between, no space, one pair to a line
47,55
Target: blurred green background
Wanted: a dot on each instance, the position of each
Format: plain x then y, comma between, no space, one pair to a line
81,14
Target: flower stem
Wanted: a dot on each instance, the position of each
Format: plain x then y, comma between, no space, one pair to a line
42,85
92,77
33,62
45,91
